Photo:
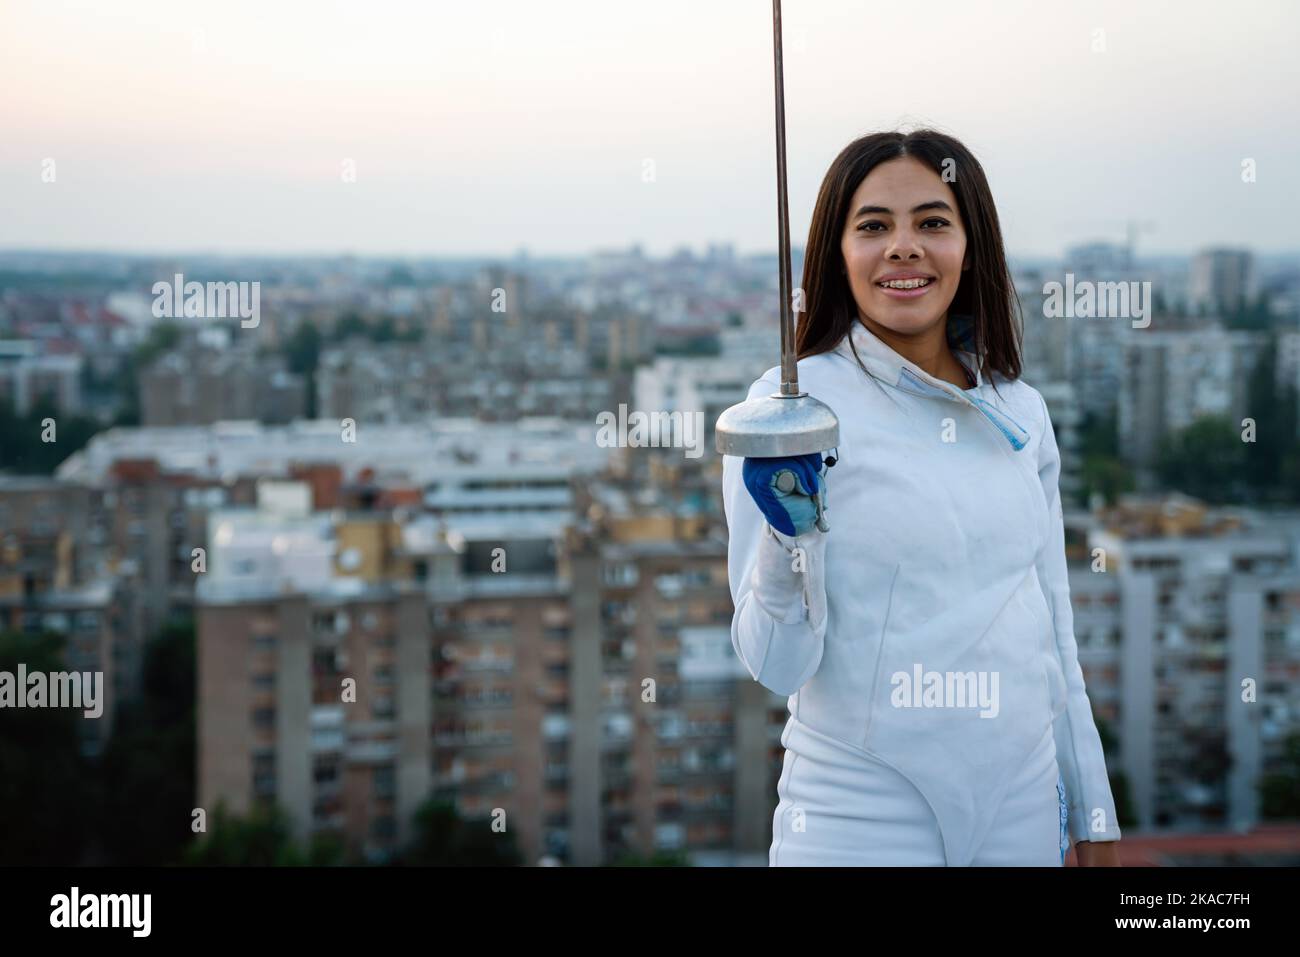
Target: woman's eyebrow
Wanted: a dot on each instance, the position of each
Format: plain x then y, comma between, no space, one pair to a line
933,204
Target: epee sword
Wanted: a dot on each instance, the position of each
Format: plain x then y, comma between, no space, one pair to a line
788,422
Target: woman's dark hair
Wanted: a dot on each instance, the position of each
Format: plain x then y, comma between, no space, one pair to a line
986,291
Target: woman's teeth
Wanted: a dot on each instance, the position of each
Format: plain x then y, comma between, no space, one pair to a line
904,283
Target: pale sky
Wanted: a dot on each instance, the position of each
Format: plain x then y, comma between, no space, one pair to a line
480,127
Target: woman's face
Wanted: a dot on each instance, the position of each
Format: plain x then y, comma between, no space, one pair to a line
910,227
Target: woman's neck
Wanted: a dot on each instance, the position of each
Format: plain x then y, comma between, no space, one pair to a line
928,350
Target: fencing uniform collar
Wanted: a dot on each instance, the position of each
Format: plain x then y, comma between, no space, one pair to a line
889,367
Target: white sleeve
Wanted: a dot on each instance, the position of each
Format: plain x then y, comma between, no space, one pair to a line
779,594
1078,745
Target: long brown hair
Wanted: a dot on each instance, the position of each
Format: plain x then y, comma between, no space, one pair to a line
986,291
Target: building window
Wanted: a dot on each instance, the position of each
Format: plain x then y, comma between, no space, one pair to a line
385,781
325,661
264,775
264,718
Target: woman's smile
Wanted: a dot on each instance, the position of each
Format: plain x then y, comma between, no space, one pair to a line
907,288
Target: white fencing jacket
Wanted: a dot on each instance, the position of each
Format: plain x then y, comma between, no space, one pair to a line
945,554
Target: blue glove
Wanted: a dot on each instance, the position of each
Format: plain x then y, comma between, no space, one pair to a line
794,510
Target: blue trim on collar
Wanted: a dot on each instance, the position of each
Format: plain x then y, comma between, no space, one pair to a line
1018,439
1015,433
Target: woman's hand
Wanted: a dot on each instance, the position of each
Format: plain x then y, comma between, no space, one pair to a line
1100,854
788,490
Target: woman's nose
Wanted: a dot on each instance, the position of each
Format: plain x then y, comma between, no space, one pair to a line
904,244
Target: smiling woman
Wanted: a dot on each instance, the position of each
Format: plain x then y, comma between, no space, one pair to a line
946,554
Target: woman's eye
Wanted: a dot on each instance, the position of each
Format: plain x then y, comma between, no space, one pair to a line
875,222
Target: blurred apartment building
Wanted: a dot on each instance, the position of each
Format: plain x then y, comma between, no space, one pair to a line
703,387
576,673
1223,280
495,367
29,373
1086,352
160,483
49,341
1173,377
1190,603
54,578
398,382
274,637
200,386
515,475
1155,381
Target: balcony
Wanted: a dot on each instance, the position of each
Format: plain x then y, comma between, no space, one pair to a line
465,739
367,752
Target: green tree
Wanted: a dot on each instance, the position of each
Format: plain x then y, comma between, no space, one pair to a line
1103,470
22,446
163,336
657,859
1280,791
1274,412
1289,473
1159,306
385,330
348,325
1205,460
327,850
444,838
148,768
705,345
1251,315
302,355
302,349
260,839
47,794
400,276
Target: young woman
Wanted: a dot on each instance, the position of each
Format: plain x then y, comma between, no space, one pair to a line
937,709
